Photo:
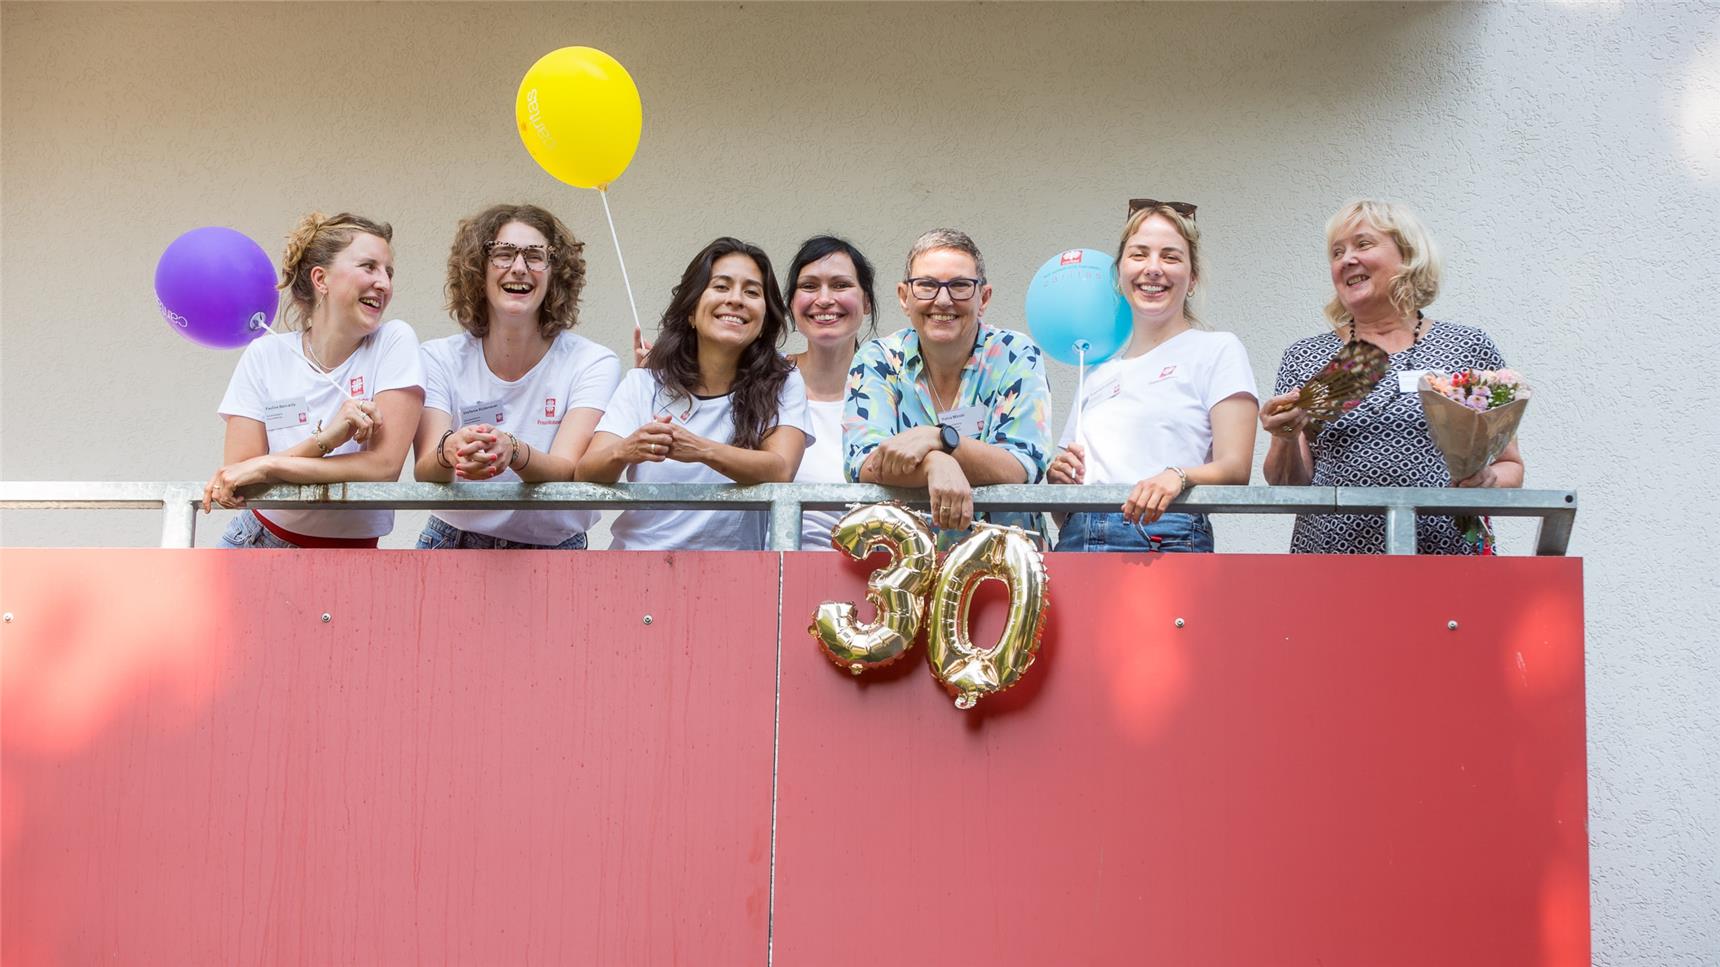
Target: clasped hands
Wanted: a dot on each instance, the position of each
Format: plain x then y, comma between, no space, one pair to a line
664,439
479,451
1145,504
356,420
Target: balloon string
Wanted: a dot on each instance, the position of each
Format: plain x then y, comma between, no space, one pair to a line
1080,390
603,193
271,330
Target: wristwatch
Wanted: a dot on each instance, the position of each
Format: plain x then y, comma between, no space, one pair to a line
948,437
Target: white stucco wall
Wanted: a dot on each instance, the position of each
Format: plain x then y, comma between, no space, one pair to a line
1566,156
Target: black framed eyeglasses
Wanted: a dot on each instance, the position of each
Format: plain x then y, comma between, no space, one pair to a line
926,289
502,255
1182,208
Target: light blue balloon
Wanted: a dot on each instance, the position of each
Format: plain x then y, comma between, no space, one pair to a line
1073,306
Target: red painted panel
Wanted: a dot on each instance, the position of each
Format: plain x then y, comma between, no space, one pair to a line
1314,770
481,757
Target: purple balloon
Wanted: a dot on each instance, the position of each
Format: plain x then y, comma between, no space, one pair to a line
216,287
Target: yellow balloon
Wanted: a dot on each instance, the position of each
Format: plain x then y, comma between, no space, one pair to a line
579,116
969,672
898,590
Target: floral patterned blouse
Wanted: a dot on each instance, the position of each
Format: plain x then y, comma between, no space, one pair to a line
888,393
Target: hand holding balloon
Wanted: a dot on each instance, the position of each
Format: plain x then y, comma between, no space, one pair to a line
1068,467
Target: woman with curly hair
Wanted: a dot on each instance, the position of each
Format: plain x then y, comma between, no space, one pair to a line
515,396
338,406
714,403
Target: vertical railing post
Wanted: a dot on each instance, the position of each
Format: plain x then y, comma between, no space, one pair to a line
784,523
1400,529
178,517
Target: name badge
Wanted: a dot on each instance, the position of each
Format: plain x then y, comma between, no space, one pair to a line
1408,380
1108,390
285,414
490,413
969,421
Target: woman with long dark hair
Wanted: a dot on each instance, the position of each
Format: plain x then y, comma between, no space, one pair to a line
714,403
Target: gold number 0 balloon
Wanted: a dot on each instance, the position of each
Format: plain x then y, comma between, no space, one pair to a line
898,589
1001,553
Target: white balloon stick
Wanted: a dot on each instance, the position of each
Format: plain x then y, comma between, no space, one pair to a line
603,193
269,328
1080,388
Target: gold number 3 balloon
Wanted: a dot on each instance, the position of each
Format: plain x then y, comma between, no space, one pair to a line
994,552
898,590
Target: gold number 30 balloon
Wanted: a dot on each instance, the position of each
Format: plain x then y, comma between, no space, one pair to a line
1001,553
898,589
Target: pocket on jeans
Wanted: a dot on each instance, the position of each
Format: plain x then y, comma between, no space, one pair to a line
241,531
437,539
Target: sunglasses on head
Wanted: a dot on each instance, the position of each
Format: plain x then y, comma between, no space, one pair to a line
1182,208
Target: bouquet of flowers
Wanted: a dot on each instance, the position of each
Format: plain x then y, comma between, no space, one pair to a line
1473,415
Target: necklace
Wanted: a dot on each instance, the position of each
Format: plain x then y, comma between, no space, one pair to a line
1414,336
311,351
932,390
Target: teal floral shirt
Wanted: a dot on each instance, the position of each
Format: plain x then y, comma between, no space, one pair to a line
888,393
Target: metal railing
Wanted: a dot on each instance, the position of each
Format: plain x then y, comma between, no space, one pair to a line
178,500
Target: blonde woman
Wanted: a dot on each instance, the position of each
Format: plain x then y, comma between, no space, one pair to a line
287,422
1385,270
1175,408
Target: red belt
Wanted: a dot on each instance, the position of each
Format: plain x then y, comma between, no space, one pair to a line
305,540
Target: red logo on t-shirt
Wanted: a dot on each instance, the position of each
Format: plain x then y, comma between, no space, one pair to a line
304,417
1070,257
1167,371
356,384
549,406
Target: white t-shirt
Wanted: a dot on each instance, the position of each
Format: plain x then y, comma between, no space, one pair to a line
821,464
275,386
639,400
1155,410
575,373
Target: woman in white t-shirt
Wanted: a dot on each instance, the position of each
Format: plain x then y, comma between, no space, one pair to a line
286,420
517,395
829,295
1176,408
714,403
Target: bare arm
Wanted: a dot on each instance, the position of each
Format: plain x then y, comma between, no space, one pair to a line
776,460
1232,462
249,462
608,456
981,463
1289,460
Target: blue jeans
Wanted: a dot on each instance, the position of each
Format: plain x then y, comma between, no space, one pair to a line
246,530
1187,533
439,535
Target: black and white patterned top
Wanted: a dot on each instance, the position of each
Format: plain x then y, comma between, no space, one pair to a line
1384,441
